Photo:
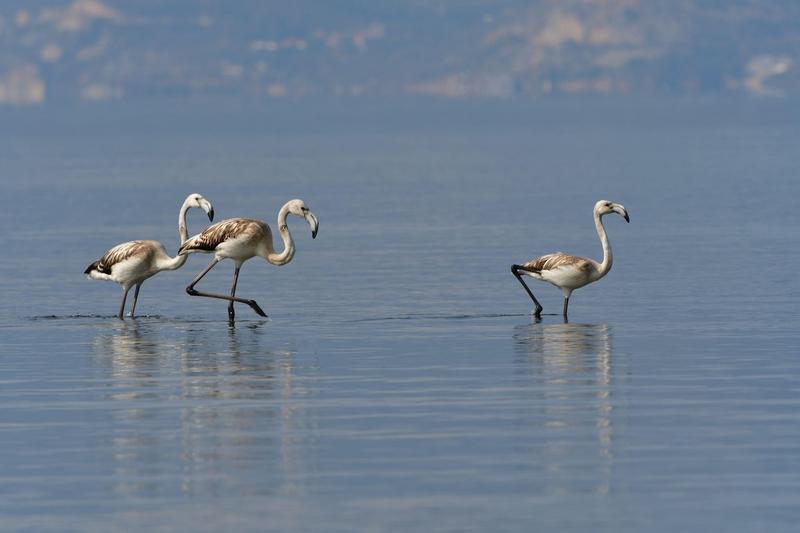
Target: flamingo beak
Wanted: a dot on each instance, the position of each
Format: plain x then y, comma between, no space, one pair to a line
313,222
620,210
208,208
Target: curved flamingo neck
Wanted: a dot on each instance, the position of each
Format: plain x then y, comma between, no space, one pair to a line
608,257
174,263
287,254
183,232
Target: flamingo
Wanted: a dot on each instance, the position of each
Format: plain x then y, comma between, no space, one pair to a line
132,262
241,239
570,272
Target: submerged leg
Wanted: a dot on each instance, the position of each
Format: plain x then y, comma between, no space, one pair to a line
231,312
135,299
122,307
515,270
192,292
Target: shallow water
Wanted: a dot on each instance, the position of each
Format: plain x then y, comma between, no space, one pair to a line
400,382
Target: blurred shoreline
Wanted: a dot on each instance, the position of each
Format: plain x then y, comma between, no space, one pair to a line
229,116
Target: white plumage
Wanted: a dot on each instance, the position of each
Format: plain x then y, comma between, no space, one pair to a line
570,272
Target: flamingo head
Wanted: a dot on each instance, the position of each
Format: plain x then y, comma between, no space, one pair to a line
199,201
604,207
300,209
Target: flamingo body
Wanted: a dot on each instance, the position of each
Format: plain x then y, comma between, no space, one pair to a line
130,262
237,238
567,272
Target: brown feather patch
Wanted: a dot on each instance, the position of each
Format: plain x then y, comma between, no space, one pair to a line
120,253
220,232
556,260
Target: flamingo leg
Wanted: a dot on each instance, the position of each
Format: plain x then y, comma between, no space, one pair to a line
135,299
231,312
515,270
566,305
192,292
122,307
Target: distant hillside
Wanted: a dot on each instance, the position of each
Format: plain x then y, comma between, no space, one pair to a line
112,49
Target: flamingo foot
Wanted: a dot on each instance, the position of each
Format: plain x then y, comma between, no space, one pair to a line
256,308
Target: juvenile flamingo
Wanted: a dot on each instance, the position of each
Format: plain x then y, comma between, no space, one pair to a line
570,272
241,239
132,262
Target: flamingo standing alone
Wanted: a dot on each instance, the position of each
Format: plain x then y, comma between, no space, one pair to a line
241,239
132,262
570,272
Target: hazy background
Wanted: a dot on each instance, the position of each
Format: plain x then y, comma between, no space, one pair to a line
68,51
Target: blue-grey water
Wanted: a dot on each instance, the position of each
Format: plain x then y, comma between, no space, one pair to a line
400,383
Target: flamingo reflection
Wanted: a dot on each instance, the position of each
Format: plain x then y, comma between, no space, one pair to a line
570,366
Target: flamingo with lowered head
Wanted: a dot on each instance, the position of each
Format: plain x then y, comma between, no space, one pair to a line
132,262
570,272
241,239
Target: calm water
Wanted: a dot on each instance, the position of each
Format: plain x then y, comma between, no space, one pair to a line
400,382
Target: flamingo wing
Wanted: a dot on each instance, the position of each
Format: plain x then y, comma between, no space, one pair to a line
211,237
120,253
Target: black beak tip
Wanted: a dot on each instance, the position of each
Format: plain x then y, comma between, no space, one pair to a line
314,234
627,218
211,216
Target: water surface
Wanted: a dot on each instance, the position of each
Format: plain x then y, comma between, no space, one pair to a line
400,382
